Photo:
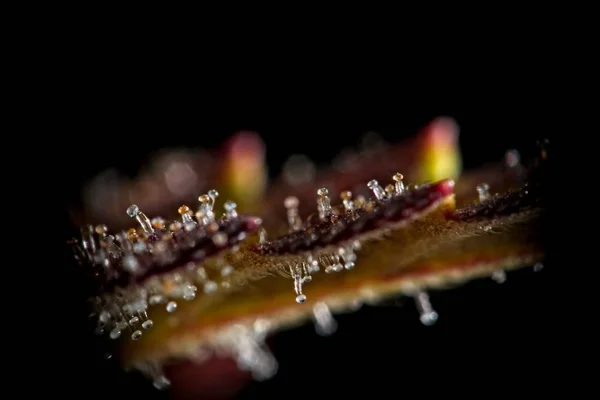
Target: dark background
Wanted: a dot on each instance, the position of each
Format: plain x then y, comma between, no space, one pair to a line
490,338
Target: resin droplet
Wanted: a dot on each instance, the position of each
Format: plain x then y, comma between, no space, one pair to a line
220,239
134,212
377,189
186,215
205,213
262,235
347,200
399,186
390,191
297,276
155,372
101,230
161,383
230,210
171,306
483,191
132,235
312,265
512,158
213,194
251,355
87,239
306,270
325,324
499,276
348,256
158,223
427,314
359,201
323,203
291,205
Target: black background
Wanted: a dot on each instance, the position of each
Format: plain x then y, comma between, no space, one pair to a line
490,338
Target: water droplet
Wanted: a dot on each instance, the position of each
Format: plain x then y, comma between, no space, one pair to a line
147,324
538,267
156,299
429,318
300,298
325,324
189,292
210,287
499,276
104,317
427,314
189,296
115,333
136,335
171,306
161,383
